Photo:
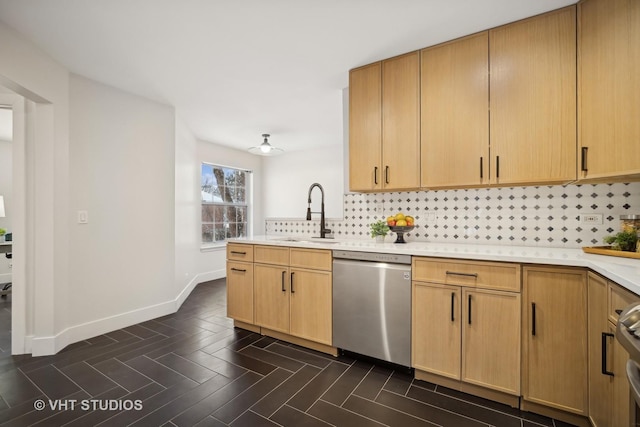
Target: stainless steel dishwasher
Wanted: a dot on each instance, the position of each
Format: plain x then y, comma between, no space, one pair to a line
372,305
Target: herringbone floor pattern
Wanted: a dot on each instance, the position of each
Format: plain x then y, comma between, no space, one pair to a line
193,368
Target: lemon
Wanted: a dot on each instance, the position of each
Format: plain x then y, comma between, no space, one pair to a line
399,216
401,223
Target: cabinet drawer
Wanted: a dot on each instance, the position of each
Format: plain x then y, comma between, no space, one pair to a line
490,275
618,299
315,259
239,252
271,255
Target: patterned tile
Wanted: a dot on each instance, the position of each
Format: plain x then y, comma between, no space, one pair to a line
545,216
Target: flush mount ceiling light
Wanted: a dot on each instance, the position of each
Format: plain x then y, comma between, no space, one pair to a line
266,149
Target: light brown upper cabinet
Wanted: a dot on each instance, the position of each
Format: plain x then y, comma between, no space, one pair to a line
533,100
365,127
499,107
455,113
609,88
384,125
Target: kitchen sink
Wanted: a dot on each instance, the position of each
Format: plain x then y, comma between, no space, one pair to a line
310,240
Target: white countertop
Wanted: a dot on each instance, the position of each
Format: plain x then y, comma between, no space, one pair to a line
624,271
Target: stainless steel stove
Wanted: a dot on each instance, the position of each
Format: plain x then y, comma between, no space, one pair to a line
628,334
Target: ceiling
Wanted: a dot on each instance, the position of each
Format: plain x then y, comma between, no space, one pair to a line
235,69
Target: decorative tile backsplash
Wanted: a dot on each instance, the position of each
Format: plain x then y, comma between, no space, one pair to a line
522,216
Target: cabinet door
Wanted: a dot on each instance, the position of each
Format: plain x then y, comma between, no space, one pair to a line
609,84
599,383
455,113
555,338
311,305
436,318
365,128
491,340
240,291
401,122
272,297
533,99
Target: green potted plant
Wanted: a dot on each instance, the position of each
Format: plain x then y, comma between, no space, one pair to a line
2,233
379,229
626,240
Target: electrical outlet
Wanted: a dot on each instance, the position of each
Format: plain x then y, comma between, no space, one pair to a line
430,217
591,218
83,217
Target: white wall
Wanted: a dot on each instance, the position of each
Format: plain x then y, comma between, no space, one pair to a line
193,263
40,208
186,211
287,179
122,173
124,161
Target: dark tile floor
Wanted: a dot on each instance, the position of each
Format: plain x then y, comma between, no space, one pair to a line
194,368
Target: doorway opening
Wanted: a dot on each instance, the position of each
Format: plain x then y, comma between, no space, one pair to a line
6,199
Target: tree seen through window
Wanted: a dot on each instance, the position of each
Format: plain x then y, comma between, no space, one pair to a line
224,203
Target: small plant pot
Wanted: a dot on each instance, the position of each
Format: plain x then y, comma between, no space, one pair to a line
380,239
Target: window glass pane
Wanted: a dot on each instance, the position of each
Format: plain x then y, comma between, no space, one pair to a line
242,230
207,233
220,232
224,203
206,183
219,213
232,230
208,213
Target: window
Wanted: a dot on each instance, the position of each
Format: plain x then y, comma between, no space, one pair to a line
225,207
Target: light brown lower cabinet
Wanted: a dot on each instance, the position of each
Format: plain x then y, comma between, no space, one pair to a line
555,352
293,292
466,333
609,399
311,305
554,344
436,342
240,291
472,335
491,339
272,297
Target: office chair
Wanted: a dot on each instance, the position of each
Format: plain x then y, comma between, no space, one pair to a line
5,287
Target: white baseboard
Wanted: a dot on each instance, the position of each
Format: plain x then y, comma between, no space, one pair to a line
200,278
44,346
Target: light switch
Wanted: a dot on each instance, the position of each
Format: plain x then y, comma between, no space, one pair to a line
83,217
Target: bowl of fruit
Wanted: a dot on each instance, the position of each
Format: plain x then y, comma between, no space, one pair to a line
400,224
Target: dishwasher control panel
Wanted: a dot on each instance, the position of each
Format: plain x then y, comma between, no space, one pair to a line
372,256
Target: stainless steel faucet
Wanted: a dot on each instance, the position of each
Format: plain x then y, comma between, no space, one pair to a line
323,231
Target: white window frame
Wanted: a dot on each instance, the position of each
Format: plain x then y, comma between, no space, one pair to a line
248,203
